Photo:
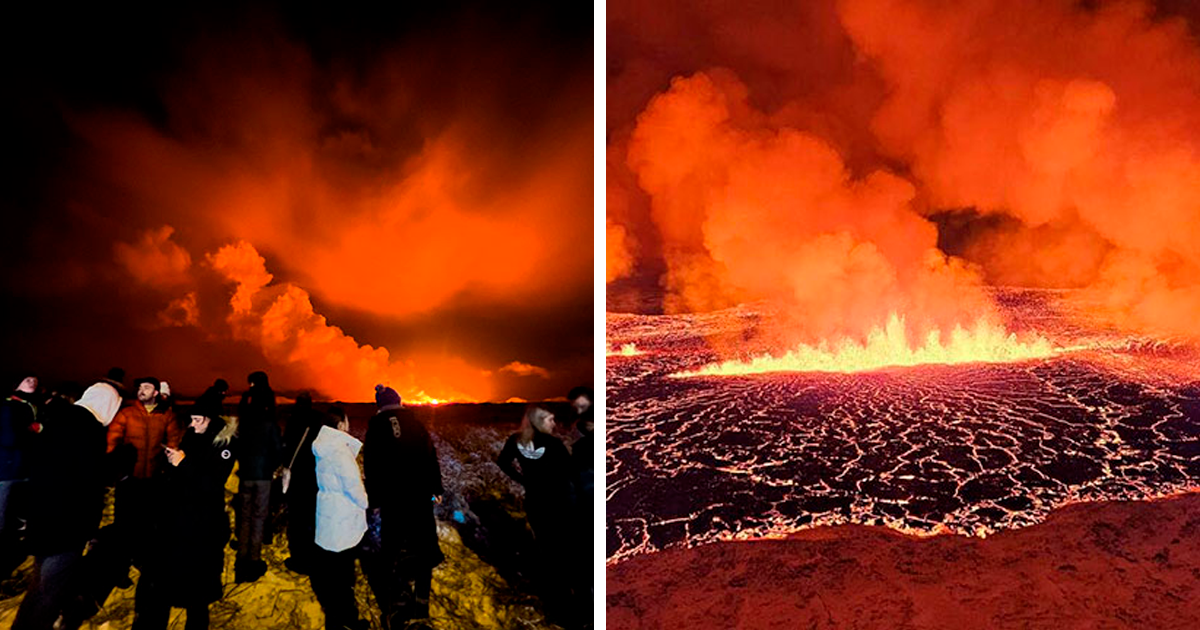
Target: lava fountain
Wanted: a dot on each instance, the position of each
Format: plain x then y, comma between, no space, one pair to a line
891,346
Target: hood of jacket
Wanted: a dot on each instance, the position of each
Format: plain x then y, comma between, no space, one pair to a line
330,440
102,400
221,430
228,431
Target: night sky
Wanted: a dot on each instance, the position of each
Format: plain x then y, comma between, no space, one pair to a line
202,193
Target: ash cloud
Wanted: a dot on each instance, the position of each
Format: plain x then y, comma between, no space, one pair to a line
393,169
1074,125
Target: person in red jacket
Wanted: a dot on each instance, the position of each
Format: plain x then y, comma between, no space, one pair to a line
148,426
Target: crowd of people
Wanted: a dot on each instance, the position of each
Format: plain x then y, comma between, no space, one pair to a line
169,463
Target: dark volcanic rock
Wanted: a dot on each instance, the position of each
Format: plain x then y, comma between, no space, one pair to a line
1112,565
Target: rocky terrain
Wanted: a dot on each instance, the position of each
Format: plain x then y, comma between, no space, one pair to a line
1118,564
484,582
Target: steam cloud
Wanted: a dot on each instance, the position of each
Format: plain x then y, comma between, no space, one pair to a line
1060,139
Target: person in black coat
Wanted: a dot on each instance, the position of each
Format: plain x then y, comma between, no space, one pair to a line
192,526
403,481
18,428
214,396
584,469
67,485
581,450
302,429
258,457
540,462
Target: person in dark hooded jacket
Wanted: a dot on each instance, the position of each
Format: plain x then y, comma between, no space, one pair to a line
18,428
214,396
258,457
584,469
302,429
403,481
143,429
191,527
67,485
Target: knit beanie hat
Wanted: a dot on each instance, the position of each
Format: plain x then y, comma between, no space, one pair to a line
386,398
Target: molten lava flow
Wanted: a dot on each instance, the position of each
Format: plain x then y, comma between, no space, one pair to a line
985,342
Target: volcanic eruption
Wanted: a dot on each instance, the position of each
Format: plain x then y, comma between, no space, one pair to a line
342,200
905,262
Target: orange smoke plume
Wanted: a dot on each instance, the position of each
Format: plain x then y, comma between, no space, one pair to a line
1056,115
280,319
750,210
1064,136
155,259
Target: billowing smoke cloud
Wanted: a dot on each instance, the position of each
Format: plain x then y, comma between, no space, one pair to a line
279,320
1058,141
374,199
399,195
155,259
621,255
525,369
751,210
1086,122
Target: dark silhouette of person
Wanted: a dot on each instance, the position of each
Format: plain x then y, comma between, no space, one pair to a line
67,485
213,398
584,474
302,429
191,526
19,427
116,377
139,435
539,461
258,456
404,480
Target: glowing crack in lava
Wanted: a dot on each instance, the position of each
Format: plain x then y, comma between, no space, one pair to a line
889,346
970,448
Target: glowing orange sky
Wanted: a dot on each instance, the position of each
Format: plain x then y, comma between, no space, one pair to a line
335,200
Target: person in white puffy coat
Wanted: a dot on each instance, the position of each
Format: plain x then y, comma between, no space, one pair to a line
341,522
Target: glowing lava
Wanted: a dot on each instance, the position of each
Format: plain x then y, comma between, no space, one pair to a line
985,342
626,350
